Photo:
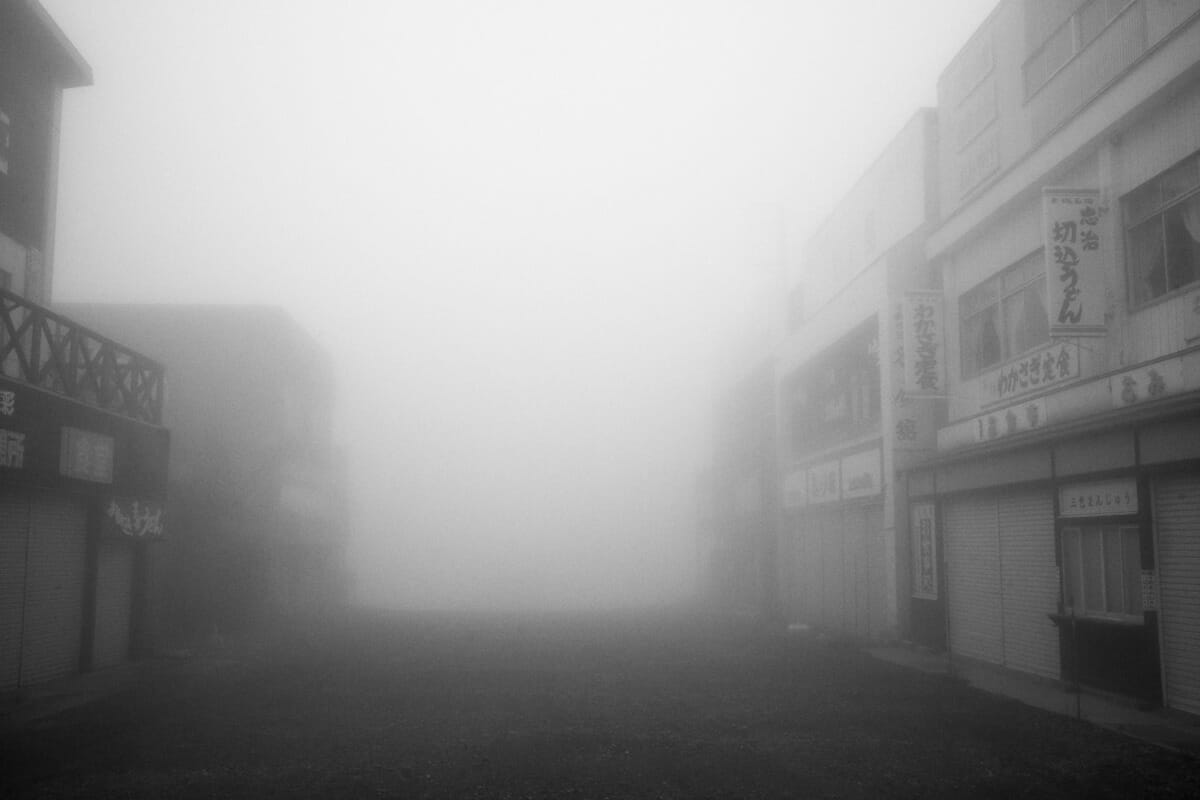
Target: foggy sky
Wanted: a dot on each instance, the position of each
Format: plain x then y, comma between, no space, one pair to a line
530,232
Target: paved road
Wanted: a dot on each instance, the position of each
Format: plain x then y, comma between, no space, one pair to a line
665,705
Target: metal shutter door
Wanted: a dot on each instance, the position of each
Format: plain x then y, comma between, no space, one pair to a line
1177,512
114,602
973,564
14,536
1029,580
54,588
812,589
854,586
874,573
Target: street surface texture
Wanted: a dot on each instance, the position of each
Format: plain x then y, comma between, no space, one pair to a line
600,706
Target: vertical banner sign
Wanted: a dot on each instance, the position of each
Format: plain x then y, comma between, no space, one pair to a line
924,350
924,552
1075,258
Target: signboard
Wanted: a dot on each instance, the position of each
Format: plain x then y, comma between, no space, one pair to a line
924,552
1147,383
924,348
1075,257
795,489
861,475
1099,499
86,455
1050,366
824,482
137,519
1009,421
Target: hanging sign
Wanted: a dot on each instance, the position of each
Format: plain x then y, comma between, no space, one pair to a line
923,348
1075,258
924,552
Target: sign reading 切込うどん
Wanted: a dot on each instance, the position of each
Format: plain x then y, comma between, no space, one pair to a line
1075,252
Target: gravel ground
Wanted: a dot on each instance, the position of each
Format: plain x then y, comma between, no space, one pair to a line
600,706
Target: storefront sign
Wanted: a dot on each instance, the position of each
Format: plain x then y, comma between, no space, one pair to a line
1010,421
861,475
138,519
924,552
1147,383
824,482
8,403
1050,366
1100,499
924,349
12,449
1075,257
86,455
795,489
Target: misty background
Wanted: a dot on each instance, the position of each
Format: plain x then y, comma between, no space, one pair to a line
532,235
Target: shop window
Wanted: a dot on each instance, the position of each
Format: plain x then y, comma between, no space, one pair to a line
1069,39
1005,316
1102,571
1162,221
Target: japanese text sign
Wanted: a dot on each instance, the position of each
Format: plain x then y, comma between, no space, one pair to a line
924,552
1075,261
1101,499
924,348
86,455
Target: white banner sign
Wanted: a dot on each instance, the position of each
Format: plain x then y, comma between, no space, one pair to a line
924,552
1100,499
861,475
924,348
1075,258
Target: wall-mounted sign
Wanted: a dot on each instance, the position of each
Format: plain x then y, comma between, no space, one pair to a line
1099,499
12,449
824,482
1075,257
1050,366
8,403
1010,421
924,552
924,349
137,519
1147,383
86,455
861,475
795,489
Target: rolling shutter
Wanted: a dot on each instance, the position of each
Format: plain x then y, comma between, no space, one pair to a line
855,589
114,602
14,538
973,579
54,582
1029,581
813,588
833,571
1177,517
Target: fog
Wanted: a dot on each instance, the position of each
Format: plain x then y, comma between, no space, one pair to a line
533,235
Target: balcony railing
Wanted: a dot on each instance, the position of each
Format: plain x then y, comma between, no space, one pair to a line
52,352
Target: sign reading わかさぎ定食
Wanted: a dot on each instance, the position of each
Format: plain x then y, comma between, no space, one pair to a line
1099,499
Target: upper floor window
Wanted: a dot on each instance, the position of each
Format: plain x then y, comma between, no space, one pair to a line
1162,241
1004,316
1068,39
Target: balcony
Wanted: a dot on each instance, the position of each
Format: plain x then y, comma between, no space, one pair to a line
50,351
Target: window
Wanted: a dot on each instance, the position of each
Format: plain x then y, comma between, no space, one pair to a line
1005,316
1102,568
1162,242
1064,42
5,141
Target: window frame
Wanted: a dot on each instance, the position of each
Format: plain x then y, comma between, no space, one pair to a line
1113,9
1096,527
1157,212
1035,259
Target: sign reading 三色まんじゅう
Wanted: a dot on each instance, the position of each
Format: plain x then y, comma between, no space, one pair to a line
923,346
1099,499
924,552
1075,253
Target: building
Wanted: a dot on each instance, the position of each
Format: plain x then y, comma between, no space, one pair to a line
257,492
848,417
1063,503
83,452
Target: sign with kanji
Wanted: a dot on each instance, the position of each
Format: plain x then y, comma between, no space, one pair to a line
923,345
862,474
86,455
824,482
1010,421
1058,363
924,552
1075,261
136,519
